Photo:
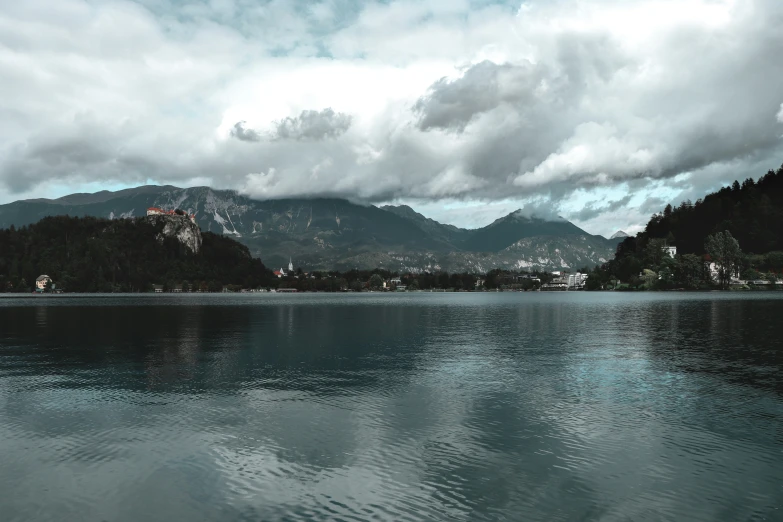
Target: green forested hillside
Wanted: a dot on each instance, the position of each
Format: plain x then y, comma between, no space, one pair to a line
90,254
752,213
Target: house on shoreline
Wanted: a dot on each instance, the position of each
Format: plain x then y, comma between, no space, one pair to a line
41,281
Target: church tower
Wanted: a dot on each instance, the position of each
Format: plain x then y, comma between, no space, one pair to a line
290,265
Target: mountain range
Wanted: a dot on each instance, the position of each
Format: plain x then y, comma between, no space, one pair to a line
336,234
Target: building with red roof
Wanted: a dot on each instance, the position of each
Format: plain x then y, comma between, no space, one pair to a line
155,211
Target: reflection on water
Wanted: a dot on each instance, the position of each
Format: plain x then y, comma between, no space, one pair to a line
392,407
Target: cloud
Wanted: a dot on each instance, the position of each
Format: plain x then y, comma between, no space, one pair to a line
309,125
429,101
313,125
539,209
591,210
242,133
452,104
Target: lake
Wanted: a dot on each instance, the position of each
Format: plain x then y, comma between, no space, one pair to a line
459,407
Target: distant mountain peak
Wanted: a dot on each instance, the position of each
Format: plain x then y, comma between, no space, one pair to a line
618,235
529,216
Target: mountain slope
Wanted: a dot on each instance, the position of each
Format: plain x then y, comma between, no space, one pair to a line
446,233
509,229
338,234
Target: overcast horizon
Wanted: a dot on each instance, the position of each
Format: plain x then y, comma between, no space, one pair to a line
601,111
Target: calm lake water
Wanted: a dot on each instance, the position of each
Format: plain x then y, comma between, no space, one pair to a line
537,406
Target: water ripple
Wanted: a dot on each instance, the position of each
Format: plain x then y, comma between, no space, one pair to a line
412,407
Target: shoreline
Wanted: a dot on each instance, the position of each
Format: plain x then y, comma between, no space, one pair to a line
12,295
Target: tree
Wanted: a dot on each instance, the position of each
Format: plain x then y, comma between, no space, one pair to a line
689,271
751,274
775,261
375,282
650,278
666,272
655,251
490,281
593,283
725,252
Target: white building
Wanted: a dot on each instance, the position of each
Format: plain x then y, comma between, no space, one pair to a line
577,280
290,265
714,271
671,250
558,283
41,281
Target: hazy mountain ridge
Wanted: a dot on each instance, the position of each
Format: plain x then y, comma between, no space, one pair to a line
504,232
443,231
337,234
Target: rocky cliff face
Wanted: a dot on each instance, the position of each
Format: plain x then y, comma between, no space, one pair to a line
179,227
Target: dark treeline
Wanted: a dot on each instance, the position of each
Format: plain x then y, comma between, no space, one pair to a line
359,280
363,280
98,255
750,212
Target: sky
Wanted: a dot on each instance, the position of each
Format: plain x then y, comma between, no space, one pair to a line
599,111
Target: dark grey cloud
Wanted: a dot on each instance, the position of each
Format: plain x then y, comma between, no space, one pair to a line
591,210
452,104
242,133
308,126
313,125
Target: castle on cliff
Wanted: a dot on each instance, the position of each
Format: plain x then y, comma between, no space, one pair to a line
155,211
